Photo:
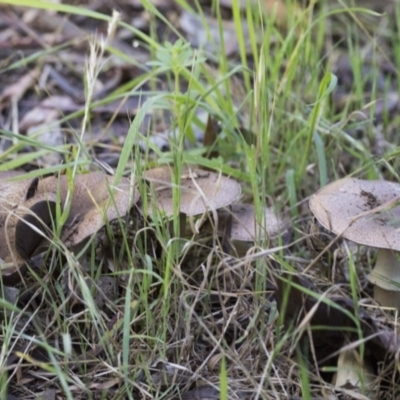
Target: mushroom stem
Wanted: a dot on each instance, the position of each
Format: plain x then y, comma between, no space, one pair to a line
386,278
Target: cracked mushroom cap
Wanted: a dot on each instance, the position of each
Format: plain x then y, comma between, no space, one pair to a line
14,191
95,202
245,227
365,212
24,215
21,211
200,190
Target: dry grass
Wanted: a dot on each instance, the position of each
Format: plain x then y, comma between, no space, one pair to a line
152,308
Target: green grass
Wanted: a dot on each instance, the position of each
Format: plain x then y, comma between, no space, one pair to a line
282,136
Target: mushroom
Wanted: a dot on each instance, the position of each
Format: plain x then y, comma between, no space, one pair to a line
367,213
24,218
14,191
200,190
245,227
245,230
95,202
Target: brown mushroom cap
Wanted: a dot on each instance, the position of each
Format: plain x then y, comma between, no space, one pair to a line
365,212
200,190
15,202
245,227
23,215
15,191
29,206
92,204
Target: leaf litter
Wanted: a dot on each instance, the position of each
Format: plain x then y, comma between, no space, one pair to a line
217,302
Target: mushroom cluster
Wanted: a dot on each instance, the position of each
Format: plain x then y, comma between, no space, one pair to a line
28,208
205,191
365,212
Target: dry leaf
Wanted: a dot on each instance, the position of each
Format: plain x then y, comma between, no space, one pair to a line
51,135
199,36
351,371
18,89
46,111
